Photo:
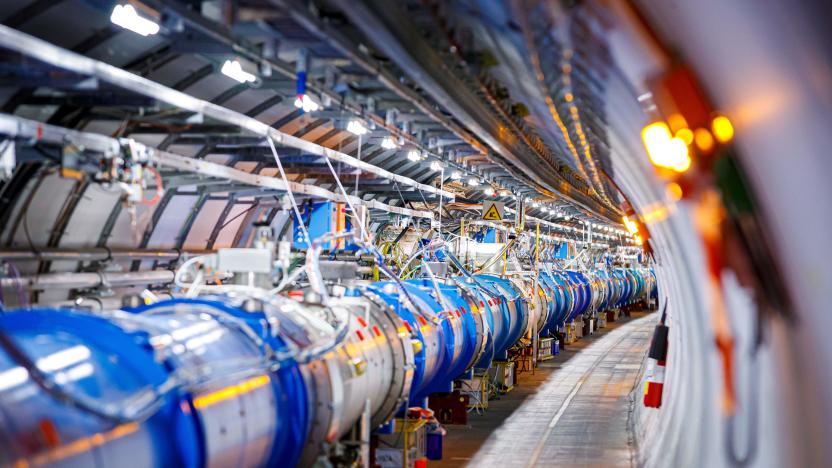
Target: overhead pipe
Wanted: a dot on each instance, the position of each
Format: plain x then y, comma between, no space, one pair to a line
25,128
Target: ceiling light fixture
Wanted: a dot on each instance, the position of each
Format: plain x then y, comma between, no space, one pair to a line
456,175
388,143
234,70
127,17
357,127
414,156
303,101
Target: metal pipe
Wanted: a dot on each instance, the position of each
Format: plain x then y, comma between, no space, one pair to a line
93,254
24,128
89,280
98,303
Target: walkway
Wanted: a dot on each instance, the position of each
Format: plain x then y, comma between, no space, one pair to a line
574,411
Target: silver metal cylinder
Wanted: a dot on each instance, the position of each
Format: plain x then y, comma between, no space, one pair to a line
89,280
93,254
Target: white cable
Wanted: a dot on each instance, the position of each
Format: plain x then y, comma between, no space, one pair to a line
365,238
443,301
441,187
358,174
287,280
364,234
177,277
289,190
194,288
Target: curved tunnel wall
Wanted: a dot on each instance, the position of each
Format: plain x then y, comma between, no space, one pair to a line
764,82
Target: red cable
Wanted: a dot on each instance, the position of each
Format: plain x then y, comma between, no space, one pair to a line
159,188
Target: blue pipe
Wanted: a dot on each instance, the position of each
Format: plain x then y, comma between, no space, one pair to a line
224,383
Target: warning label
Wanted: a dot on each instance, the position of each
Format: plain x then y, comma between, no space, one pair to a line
492,210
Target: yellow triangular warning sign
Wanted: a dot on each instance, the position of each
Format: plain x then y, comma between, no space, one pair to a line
492,214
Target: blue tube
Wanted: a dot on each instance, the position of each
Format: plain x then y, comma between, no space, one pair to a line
230,383
74,349
513,308
106,361
421,379
292,414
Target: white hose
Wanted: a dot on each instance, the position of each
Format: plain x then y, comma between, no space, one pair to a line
289,190
183,268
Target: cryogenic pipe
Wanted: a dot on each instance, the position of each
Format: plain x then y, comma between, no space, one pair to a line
209,358
93,254
89,280
292,380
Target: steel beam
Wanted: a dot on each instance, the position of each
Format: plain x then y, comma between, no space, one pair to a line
65,59
30,129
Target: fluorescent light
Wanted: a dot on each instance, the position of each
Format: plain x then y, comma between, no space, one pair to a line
535,205
436,166
128,18
473,182
303,101
488,191
357,127
388,143
414,156
456,175
233,69
504,193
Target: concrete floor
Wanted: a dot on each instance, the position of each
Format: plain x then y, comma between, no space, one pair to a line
573,411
